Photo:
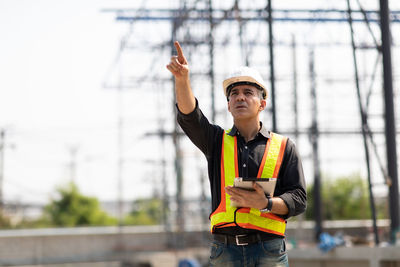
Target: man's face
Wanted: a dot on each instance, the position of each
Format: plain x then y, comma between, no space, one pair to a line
245,102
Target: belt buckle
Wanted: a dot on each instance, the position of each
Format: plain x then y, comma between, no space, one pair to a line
238,241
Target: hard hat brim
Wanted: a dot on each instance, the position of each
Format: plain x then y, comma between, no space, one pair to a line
228,82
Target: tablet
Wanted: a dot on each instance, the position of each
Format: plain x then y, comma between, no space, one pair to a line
268,185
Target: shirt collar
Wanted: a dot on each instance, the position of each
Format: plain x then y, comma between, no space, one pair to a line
263,131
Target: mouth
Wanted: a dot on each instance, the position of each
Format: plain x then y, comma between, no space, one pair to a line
240,107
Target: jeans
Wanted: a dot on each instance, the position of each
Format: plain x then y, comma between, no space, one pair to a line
271,253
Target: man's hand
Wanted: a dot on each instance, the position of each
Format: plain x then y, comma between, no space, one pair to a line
249,199
178,65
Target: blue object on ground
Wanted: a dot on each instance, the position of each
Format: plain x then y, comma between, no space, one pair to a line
328,242
189,263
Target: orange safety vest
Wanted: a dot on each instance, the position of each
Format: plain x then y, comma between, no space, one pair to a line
226,215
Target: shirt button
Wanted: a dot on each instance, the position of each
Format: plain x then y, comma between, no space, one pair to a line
244,165
245,147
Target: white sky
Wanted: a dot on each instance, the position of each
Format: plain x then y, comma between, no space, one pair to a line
54,58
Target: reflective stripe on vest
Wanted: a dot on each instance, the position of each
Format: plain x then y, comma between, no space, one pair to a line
226,215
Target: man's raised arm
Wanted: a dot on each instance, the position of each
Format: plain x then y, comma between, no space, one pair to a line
179,67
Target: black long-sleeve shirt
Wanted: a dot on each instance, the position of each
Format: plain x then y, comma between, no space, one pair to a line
208,138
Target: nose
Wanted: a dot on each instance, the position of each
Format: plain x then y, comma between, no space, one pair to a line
240,97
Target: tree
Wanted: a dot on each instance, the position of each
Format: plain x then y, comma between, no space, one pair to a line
344,198
4,222
74,209
146,211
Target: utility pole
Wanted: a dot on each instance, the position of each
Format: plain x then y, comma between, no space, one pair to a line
164,183
314,135
271,66
211,52
2,146
364,127
120,136
295,98
180,220
390,124
243,46
301,217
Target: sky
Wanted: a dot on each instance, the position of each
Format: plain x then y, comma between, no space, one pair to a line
56,57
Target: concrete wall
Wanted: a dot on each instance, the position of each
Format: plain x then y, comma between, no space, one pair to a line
111,247
346,257
57,246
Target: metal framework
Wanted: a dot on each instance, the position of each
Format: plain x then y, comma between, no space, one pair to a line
197,23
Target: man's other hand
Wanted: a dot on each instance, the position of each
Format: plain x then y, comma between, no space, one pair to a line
248,199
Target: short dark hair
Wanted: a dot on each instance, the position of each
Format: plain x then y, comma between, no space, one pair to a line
259,88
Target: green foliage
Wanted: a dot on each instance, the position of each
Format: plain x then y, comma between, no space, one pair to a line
344,198
4,222
74,209
145,212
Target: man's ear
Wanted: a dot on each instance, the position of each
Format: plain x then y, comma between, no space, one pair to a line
263,104
229,108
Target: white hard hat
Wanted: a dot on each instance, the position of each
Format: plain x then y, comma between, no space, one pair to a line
245,75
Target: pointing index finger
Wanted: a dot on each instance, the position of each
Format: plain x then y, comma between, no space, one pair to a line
181,57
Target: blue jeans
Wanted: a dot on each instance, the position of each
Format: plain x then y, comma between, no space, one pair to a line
271,253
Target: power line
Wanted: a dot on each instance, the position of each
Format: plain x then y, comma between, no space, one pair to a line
281,15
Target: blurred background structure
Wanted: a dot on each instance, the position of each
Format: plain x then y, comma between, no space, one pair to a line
334,87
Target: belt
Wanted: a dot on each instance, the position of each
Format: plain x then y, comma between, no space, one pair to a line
240,240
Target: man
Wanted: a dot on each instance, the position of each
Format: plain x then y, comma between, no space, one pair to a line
252,233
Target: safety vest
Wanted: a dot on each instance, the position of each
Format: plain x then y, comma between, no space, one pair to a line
226,215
